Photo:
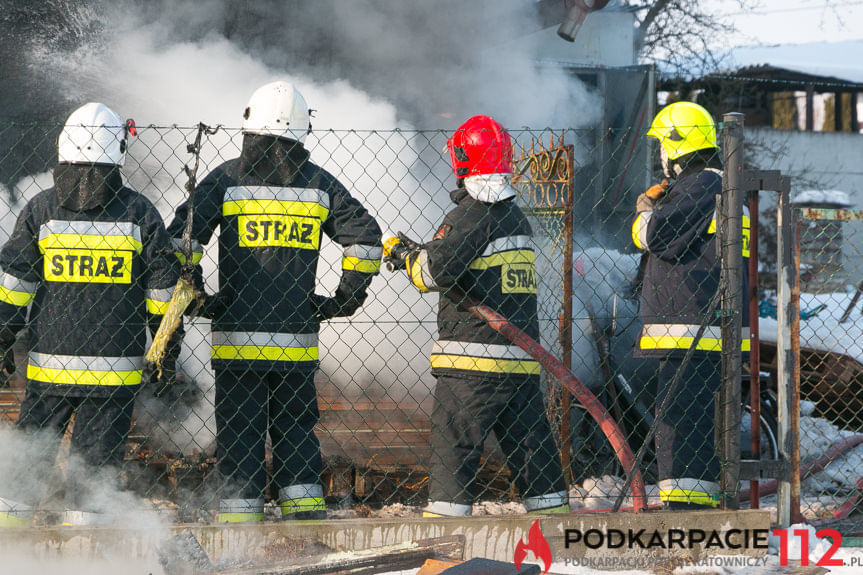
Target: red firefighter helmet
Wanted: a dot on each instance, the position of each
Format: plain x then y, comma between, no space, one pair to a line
480,146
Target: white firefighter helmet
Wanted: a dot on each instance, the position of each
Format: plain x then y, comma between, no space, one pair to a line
93,134
277,109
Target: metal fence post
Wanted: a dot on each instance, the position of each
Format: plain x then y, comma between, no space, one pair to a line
731,258
788,358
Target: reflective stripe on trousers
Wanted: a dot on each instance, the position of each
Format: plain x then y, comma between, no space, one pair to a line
265,346
84,370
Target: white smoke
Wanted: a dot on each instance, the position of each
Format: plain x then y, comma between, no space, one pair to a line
24,190
24,483
163,74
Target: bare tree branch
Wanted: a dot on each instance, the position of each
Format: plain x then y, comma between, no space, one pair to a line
681,34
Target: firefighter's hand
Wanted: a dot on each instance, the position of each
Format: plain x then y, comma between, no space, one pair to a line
341,305
396,250
324,307
164,383
394,254
208,306
647,201
7,360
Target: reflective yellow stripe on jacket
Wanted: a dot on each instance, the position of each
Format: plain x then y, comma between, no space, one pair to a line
158,300
271,216
639,229
660,336
88,251
246,345
197,251
16,291
365,259
84,370
517,262
711,229
482,357
419,272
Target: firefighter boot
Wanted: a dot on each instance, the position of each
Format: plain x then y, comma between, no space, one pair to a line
241,511
14,514
304,501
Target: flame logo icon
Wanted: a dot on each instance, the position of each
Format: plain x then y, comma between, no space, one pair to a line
536,543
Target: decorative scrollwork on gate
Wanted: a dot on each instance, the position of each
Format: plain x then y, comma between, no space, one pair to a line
544,176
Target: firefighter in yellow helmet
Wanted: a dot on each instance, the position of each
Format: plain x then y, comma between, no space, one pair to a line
676,225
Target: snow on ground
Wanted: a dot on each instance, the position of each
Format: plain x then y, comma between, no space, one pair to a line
823,332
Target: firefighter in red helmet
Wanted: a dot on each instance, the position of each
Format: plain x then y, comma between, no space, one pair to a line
484,382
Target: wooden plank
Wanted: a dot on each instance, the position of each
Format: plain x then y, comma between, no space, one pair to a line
407,555
436,566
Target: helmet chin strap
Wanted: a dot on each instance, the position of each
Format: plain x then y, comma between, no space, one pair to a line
670,168
667,169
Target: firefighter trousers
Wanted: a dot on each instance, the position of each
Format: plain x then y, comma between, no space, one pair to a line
685,430
465,411
98,441
250,404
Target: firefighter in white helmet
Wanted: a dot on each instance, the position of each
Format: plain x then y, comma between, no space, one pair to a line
92,262
484,382
273,205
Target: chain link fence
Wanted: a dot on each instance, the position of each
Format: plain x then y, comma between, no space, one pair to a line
374,388
829,238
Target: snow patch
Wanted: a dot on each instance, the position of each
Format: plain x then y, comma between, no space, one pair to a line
834,197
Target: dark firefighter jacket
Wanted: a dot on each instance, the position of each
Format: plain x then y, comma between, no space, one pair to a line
92,279
682,272
485,251
273,205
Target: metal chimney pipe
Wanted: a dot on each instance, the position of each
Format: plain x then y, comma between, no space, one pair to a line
577,11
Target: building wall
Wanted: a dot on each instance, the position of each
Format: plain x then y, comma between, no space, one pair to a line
817,160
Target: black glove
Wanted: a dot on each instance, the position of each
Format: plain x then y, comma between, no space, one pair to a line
164,383
350,295
208,306
397,252
7,357
323,307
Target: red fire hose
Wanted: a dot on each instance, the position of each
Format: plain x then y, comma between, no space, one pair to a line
609,427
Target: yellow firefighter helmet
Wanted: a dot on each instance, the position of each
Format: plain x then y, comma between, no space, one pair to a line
683,128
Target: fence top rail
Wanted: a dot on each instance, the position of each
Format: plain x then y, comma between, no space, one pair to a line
840,214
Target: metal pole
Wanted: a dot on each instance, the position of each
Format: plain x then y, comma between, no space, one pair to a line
566,319
794,496
787,362
754,347
731,258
